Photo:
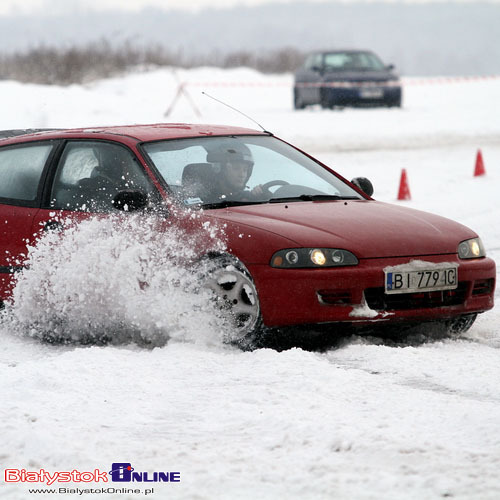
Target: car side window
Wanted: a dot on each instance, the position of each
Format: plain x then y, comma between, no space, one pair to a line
171,163
21,169
90,174
313,62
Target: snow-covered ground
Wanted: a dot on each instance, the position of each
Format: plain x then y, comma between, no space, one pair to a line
363,420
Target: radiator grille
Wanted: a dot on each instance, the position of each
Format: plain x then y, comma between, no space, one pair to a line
377,299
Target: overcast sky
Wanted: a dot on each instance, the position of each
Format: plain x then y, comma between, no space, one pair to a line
8,7
421,37
47,7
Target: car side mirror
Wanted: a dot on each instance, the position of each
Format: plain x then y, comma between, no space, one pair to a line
130,201
390,67
364,184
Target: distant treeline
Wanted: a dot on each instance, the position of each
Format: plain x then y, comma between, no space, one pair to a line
64,66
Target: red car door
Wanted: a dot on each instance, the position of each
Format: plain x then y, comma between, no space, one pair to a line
87,177
16,229
21,174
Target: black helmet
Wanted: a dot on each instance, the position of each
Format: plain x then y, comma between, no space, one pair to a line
229,153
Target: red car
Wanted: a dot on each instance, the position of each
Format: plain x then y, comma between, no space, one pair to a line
304,246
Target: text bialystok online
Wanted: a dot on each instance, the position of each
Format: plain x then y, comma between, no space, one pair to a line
97,476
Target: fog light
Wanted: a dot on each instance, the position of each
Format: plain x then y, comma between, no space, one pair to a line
318,257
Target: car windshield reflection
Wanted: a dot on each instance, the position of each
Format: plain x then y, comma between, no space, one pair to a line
219,172
352,61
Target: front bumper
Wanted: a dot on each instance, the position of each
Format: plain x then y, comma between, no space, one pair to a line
355,294
361,95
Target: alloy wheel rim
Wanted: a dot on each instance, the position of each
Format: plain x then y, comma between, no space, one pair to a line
236,297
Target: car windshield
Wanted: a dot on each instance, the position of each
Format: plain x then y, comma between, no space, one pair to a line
240,170
352,61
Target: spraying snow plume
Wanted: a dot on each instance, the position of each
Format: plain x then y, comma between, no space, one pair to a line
118,279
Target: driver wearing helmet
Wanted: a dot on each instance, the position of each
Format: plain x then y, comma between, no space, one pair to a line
234,166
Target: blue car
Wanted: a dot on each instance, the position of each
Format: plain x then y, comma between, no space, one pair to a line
346,78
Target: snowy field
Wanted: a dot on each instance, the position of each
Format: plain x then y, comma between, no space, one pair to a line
365,419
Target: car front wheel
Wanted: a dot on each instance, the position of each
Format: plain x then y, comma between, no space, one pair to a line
298,102
236,298
461,324
324,99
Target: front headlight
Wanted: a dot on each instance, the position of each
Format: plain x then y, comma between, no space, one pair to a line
471,249
313,257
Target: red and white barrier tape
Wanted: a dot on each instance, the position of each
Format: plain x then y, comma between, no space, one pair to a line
406,81
182,86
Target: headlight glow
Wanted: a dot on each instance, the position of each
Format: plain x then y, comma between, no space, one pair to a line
318,257
475,249
471,249
296,258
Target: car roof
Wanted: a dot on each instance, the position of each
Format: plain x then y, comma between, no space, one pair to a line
137,133
343,51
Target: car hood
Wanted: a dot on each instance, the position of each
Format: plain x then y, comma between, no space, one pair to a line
369,229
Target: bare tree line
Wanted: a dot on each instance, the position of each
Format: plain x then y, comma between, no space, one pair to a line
64,66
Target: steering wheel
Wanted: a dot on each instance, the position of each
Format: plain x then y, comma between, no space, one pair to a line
277,182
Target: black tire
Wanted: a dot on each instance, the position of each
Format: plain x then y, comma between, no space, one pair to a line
237,299
324,99
298,103
394,104
457,326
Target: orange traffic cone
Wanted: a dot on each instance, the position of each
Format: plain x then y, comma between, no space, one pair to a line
404,189
479,168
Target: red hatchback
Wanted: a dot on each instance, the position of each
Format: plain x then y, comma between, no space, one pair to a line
303,245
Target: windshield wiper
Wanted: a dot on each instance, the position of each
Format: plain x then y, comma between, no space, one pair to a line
313,197
230,203
287,199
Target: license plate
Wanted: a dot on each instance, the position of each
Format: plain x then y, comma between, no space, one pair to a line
371,93
421,280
